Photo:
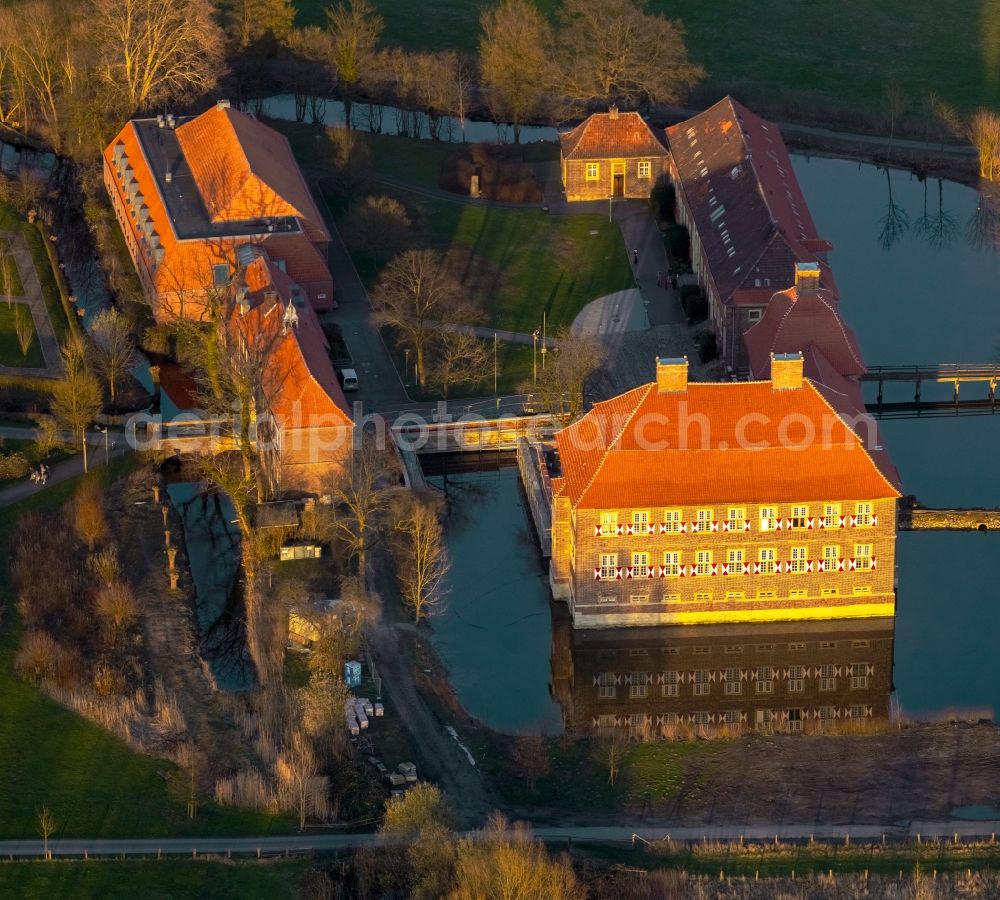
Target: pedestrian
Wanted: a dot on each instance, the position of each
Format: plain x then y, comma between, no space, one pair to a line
659,278
34,475
635,257
673,282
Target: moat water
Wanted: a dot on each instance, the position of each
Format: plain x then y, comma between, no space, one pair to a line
916,288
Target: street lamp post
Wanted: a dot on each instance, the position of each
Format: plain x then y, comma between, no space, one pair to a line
544,347
406,366
495,366
104,431
534,356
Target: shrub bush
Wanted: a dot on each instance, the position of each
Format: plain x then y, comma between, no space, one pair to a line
13,465
501,176
663,199
678,242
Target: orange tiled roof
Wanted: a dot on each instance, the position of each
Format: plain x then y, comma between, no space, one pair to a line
629,451
304,388
610,136
795,320
245,170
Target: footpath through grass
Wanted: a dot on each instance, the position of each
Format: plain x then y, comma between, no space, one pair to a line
843,50
166,879
94,785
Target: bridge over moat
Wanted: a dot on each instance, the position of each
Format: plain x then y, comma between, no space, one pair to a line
955,374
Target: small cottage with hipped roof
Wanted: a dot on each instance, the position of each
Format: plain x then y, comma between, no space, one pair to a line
611,154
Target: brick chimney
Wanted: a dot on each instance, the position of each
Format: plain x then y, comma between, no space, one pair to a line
786,371
806,277
612,111
671,375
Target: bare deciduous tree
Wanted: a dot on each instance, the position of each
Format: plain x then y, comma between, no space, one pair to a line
361,494
559,390
355,28
154,53
507,861
531,757
457,358
421,555
299,769
515,55
414,293
116,605
984,132
46,827
614,51
88,512
249,21
24,328
114,347
76,397
378,226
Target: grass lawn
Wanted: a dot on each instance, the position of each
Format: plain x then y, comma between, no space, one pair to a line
514,368
578,775
166,879
11,221
845,50
10,349
10,277
91,781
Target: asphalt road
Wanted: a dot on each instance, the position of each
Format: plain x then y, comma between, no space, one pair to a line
601,834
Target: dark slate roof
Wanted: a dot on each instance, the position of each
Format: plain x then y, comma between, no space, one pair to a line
613,135
738,181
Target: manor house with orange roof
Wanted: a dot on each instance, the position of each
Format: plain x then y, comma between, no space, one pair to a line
686,503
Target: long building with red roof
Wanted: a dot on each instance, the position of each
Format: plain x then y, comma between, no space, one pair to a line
687,503
749,223
189,191
269,312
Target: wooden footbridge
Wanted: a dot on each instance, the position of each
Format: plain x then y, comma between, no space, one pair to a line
986,375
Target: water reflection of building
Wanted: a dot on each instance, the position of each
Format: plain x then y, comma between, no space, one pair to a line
708,679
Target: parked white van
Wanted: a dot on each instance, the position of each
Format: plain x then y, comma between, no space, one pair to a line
349,380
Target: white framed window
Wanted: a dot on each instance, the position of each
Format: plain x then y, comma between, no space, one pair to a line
831,556
753,316
800,516
734,560
703,597
702,683
670,718
638,598
640,565
609,565
645,168
606,692
798,560
825,713
796,679
862,556
672,520
766,595
737,516
703,562
607,598
606,685
863,513
765,680
795,719
606,721
640,520
593,171
671,598
768,518
797,645
731,717
859,676
861,644
862,589
831,515
705,517
701,718
827,645
828,677
798,594
733,596
766,557
856,711
732,683
609,522
671,684
638,691
672,563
